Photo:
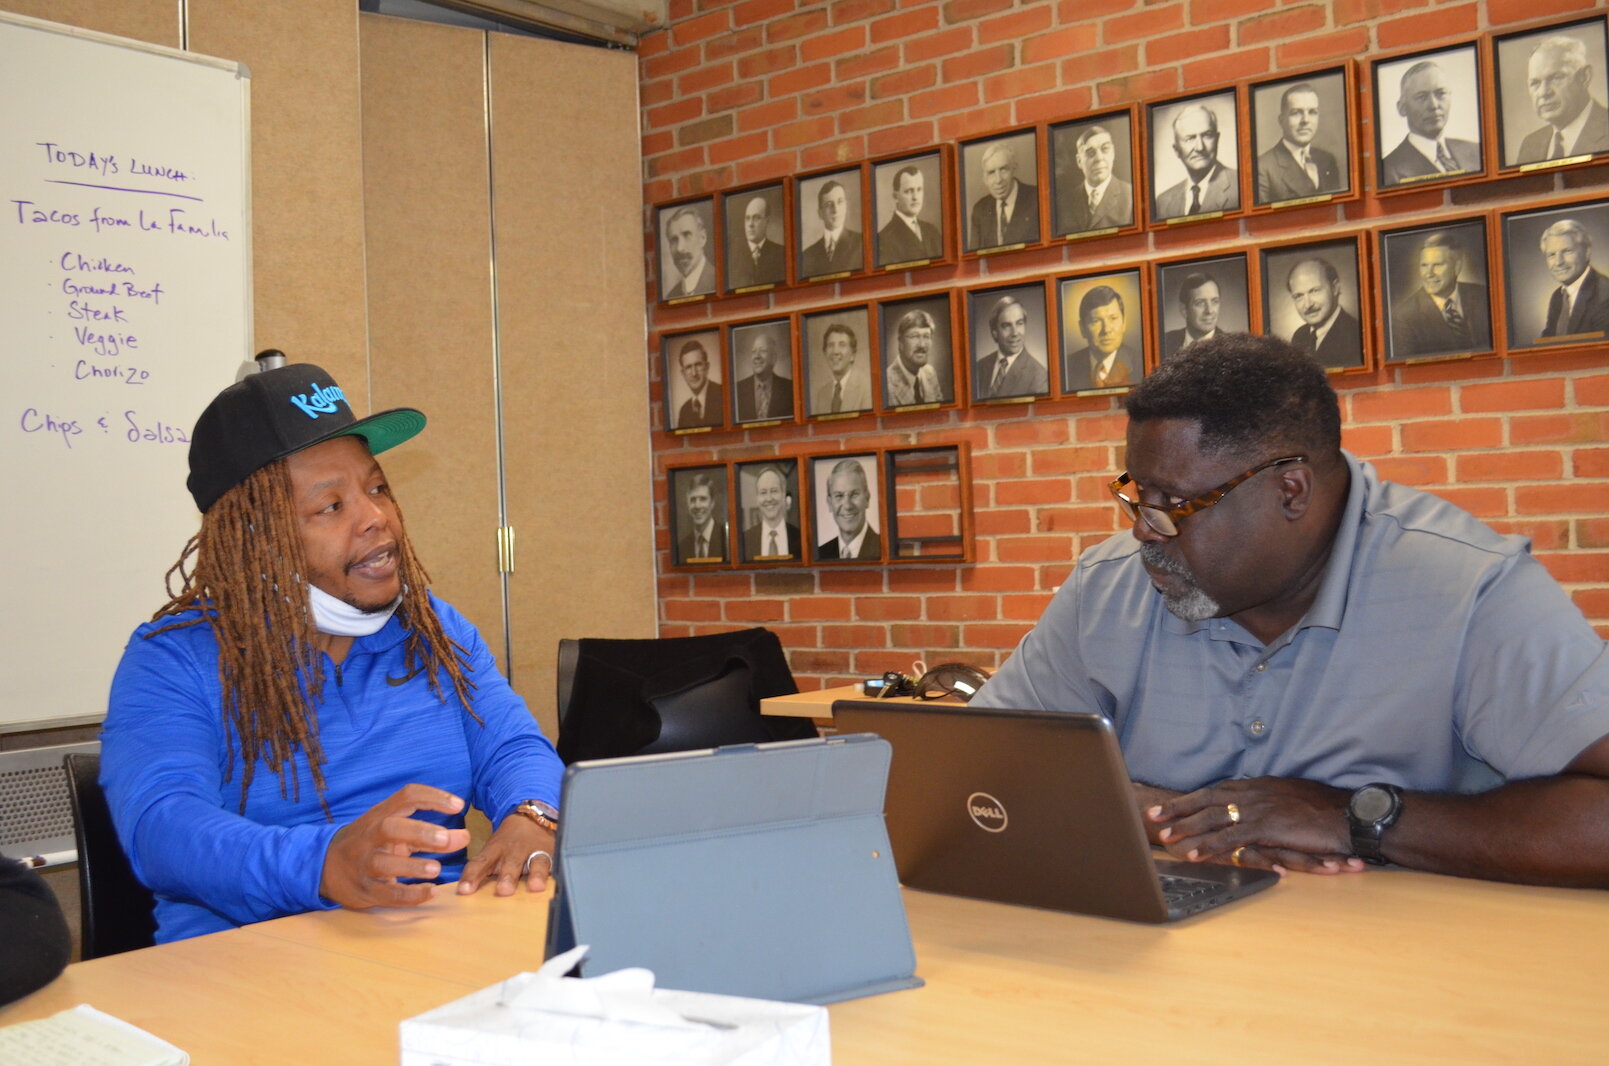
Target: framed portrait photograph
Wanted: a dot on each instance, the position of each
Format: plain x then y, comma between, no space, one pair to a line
762,375
999,194
1193,150
910,208
1092,167
1314,297
1199,298
1554,294
1008,338
929,497
829,219
836,350
686,236
768,511
691,370
1302,133
1435,291
845,508
1427,117
918,346
756,228
698,515
1102,331
1552,87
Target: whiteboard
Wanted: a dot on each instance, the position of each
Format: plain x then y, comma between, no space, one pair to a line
125,293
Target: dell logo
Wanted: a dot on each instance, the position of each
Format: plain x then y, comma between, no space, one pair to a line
988,812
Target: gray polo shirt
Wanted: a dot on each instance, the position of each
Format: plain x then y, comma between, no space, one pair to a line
1438,655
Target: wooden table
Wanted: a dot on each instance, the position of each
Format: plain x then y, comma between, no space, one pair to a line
1380,967
818,703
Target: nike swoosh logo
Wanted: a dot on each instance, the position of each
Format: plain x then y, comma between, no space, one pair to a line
403,680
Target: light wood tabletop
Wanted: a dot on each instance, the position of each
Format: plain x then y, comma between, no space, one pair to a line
1380,967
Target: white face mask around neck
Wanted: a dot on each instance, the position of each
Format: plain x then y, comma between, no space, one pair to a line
340,619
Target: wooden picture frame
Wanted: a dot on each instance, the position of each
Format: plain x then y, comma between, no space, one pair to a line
763,371
698,499
912,204
1198,297
1103,318
1094,176
838,351
1550,81
1436,92
928,505
829,249
846,504
1193,158
1545,249
686,246
770,510
1303,138
920,359
1423,269
1000,169
755,223
1009,324
694,395
1316,296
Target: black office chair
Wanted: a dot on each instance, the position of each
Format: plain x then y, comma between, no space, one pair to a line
640,697
119,913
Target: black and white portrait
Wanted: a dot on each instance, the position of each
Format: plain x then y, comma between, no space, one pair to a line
908,195
846,509
1102,331
1557,293
1312,298
1092,175
1199,298
1435,289
1300,132
691,365
1427,117
762,371
698,515
756,238
837,354
768,511
1193,148
686,250
998,176
1552,86
1008,336
829,224
918,352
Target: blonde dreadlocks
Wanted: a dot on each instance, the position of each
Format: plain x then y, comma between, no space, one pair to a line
247,583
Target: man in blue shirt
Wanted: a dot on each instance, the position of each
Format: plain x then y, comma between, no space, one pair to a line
1310,668
300,725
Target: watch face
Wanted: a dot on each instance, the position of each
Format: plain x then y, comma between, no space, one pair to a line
1371,804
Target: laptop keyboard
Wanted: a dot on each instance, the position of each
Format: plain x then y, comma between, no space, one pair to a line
1178,890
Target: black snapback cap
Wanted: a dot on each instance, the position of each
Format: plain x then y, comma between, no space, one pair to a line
270,414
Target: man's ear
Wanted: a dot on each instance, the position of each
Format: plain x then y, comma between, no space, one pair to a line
1296,490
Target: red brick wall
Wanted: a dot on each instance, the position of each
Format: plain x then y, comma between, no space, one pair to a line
740,91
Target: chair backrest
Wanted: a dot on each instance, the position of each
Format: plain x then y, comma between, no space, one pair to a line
36,814
633,697
119,913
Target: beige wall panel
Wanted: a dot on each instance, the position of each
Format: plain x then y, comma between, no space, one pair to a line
153,21
428,219
306,174
568,215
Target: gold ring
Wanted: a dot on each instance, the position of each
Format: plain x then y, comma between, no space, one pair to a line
1234,856
1234,813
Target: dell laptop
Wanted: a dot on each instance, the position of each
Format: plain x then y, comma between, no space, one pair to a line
1028,807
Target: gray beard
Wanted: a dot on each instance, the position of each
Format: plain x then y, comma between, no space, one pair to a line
1192,605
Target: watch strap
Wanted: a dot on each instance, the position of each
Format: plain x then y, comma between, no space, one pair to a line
543,814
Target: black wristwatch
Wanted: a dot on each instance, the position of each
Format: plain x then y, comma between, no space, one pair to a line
1372,810
543,814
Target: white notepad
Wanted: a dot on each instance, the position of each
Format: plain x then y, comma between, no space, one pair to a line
84,1036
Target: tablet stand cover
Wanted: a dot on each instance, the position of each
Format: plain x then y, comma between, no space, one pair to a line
758,870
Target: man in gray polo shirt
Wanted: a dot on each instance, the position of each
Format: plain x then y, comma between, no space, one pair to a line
1309,667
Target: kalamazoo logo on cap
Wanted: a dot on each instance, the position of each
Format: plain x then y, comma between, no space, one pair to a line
321,401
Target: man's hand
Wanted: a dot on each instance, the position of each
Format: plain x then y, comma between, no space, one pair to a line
366,857
506,855
1284,823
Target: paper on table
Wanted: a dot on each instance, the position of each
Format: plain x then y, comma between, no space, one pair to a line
84,1036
